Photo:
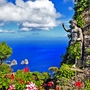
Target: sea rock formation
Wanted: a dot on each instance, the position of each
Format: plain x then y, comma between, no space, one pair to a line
13,62
25,61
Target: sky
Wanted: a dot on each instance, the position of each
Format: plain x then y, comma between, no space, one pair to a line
29,19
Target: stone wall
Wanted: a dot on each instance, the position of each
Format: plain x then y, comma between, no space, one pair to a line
86,36
86,53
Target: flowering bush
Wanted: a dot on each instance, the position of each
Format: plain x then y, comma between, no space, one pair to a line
26,80
21,80
22,77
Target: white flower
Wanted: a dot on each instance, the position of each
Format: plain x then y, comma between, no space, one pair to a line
31,86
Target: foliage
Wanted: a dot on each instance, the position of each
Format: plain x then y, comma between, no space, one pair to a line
4,82
5,51
64,74
46,75
87,84
54,69
79,8
88,51
73,53
4,68
21,79
65,71
62,81
24,79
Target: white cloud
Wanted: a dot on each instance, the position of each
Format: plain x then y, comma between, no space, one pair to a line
7,31
1,24
34,14
70,8
25,29
44,28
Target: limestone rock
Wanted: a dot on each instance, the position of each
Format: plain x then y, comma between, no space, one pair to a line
24,61
13,62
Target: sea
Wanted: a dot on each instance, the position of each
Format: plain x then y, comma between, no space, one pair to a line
41,54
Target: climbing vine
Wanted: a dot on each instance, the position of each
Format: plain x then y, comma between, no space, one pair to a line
80,6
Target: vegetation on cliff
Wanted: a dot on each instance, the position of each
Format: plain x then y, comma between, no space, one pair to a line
79,8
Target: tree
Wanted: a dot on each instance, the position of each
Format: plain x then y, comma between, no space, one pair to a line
5,51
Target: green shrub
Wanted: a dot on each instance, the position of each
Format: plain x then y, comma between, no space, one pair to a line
72,54
88,51
65,72
87,84
4,68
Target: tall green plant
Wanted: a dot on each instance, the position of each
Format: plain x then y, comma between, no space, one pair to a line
5,51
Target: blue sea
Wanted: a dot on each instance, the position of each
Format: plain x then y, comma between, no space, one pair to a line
41,54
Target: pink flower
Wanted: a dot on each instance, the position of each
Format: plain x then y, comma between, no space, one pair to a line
11,87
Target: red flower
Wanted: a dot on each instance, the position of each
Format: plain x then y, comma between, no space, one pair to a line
21,82
7,75
58,88
12,77
26,69
78,84
50,84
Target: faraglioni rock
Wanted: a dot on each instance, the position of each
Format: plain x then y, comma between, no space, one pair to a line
13,62
24,61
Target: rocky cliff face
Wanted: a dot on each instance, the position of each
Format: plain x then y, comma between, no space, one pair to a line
86,53
86,17
86,36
